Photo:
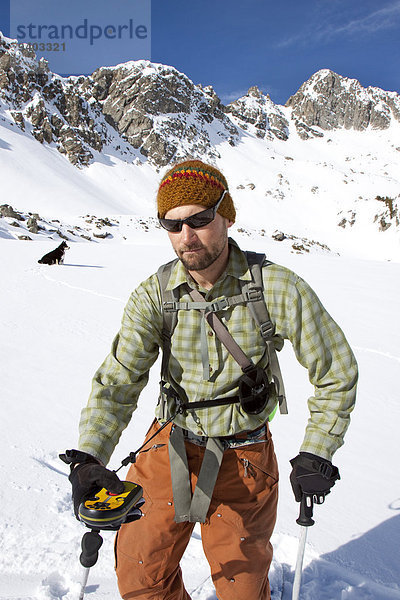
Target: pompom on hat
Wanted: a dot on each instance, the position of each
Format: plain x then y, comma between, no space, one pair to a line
194,182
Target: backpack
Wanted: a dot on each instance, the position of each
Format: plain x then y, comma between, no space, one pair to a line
251,295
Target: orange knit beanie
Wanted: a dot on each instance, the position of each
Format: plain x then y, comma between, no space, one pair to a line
194,182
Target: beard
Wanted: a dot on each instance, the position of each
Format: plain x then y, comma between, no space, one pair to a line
203,257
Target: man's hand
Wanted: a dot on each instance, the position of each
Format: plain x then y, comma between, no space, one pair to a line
312,476
88,478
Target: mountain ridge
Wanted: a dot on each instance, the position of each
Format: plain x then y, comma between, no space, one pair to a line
151,107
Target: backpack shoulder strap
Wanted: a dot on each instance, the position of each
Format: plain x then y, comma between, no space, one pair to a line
260,314
170,317
258,308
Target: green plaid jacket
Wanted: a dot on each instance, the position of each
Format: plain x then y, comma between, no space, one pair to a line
298,315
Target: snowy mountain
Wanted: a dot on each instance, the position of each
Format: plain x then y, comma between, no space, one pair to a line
97,145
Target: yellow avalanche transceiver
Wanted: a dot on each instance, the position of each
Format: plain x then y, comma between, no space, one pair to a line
108,511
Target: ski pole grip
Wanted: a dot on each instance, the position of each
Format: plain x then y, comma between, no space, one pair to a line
306,511
90,544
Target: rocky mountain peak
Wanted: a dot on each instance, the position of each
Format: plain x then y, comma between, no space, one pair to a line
255,92
138,108
256,113
329,101
159,110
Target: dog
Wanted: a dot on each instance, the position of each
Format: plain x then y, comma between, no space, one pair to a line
55,257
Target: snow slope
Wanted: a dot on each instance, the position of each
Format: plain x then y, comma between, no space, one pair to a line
57,325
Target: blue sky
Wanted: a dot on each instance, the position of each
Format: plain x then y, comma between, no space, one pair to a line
233,45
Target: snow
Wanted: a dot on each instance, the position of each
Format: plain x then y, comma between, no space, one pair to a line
322,166
58,327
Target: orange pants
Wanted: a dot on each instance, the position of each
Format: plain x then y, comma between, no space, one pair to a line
235,535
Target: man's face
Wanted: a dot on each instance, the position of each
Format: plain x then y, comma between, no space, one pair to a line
198,248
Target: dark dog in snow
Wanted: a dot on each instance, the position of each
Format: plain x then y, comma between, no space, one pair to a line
55,257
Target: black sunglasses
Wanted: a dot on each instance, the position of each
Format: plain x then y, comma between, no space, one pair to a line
200,219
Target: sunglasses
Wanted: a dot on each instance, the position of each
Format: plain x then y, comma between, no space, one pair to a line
200,219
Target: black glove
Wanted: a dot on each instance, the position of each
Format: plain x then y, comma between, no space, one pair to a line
313,476
90,476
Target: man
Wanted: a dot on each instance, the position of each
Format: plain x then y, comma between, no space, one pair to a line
205,389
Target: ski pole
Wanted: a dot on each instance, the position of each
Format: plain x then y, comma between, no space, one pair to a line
304,520
85,575
91,543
